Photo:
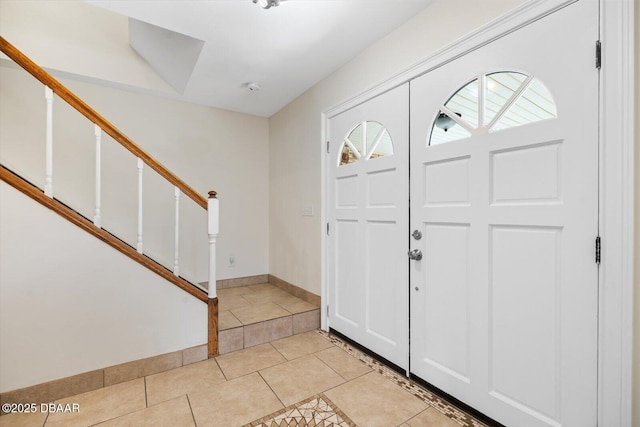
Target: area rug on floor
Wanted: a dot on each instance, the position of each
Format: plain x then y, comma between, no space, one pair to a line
317,411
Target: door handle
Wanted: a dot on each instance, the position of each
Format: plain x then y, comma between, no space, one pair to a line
415,254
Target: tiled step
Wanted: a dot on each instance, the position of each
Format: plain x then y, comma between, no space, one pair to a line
255,314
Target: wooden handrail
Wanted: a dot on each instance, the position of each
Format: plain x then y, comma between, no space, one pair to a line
74,217
70,98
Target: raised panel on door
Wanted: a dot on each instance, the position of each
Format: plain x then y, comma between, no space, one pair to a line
348,280
446,333
504,301
368,191
524,318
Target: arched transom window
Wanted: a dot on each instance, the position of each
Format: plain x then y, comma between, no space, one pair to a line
368,140
492,102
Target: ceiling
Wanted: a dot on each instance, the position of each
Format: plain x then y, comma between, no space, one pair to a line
209,50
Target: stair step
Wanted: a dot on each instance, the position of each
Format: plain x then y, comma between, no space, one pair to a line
256,314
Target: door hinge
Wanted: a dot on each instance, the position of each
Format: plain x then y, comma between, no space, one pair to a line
327,147
327,310
598,250
327,229
598,54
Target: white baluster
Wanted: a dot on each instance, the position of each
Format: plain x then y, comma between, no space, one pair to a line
96,218
213,210
139,244
48,178
176,244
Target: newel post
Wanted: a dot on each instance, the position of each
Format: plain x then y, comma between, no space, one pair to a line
213,226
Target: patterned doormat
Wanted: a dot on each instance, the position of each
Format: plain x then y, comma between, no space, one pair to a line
317,411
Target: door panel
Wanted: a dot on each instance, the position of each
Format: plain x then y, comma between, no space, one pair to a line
446,257
504,302
368,215
524,321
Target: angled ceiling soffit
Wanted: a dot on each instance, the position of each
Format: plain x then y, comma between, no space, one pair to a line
172,55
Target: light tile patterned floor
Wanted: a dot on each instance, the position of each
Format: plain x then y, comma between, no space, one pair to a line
251,304
317,411
256,314
312,379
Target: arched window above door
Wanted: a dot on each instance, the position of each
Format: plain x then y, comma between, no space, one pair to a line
492,102
367,140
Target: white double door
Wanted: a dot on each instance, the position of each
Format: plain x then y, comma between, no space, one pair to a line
501,311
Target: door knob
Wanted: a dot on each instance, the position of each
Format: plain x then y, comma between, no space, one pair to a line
415,254
417,234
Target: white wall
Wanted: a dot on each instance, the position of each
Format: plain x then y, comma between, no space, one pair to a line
210,149
294,134
75,37
70,303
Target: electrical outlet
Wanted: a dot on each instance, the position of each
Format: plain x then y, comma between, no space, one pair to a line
307,210
232,260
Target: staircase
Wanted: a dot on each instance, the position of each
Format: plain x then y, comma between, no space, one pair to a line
250,314
94,224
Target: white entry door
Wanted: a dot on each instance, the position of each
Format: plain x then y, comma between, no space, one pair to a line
504,192
368,213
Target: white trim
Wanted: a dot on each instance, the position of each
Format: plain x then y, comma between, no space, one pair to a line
616,183
324,155
616,213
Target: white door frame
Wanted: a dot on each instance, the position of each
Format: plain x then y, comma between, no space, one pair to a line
616,183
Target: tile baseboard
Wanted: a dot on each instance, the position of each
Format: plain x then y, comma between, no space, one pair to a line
294,290
230,340
70,386
242,281
238,281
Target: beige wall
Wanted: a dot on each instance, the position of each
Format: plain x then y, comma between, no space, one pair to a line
210,149
207,147
294,132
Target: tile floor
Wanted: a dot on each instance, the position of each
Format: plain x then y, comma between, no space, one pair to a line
245,305
256,314
307,379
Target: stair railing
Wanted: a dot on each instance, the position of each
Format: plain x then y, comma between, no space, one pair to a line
211,204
